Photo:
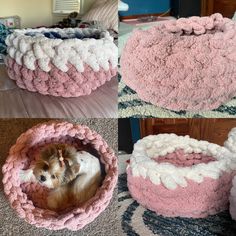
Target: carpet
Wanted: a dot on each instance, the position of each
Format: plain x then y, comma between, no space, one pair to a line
12,225
138,221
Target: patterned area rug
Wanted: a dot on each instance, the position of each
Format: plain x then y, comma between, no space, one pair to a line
138,221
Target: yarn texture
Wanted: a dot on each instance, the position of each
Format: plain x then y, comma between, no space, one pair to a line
61,62
184,64
180,176
29,199
233,200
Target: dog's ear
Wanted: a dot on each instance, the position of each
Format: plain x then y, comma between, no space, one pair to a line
70,162
75,168
47,152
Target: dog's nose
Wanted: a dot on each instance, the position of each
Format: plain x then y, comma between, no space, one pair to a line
42,178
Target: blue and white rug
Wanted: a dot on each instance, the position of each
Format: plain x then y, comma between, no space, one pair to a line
138,221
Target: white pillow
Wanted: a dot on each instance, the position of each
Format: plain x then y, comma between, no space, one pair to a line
104,11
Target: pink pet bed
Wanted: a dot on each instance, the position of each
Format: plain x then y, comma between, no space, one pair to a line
184,64
180,176
61,62
29,199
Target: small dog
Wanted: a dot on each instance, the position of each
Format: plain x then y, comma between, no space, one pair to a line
73,176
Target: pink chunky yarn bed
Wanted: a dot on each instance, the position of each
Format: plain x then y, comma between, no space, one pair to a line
28,199
72,63
184,64
179,176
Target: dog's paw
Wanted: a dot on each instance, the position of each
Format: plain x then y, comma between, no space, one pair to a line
26,176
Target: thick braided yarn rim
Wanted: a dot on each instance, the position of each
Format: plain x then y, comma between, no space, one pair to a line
211,180
50,132
184,64
61,67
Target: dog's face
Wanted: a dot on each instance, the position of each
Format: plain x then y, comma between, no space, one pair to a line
51,172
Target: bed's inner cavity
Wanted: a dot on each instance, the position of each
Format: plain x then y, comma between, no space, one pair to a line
181,159
36,192
63,36
207,32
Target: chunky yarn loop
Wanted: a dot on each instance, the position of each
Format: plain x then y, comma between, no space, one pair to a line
184,64
28,200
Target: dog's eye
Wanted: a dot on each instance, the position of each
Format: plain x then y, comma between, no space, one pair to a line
53,176
45,167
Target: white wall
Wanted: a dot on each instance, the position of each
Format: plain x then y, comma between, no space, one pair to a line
33,13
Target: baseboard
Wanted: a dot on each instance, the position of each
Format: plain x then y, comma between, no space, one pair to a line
143,15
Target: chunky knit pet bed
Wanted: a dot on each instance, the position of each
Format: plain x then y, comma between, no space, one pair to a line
184,64
61,62
29,199
180,176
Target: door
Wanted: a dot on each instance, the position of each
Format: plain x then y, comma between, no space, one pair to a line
225,7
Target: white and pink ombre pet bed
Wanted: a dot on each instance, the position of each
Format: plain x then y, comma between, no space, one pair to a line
185,64
180,176
29,199
61,62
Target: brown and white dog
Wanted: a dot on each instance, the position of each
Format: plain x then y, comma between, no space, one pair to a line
73,176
